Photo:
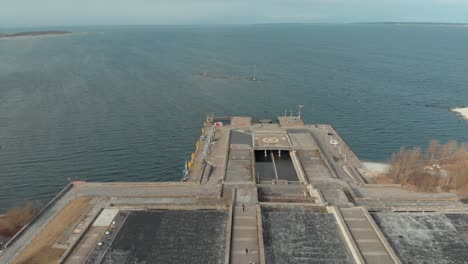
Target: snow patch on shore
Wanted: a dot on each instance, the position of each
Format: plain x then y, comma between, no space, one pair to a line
463,111
376,167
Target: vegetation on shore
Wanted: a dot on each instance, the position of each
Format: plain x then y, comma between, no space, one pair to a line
14,219
442,167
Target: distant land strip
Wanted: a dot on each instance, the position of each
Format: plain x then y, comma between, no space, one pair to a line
33,33
416,23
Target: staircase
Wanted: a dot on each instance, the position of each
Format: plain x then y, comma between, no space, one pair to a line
372,248
244,237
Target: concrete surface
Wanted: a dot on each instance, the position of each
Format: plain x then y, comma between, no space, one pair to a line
170,237
426,237
367,241
278,208
299,235
105,217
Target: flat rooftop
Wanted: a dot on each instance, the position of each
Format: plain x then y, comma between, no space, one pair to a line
284,192
167,236
418,237
298,234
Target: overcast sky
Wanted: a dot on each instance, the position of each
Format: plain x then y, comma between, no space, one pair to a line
135,12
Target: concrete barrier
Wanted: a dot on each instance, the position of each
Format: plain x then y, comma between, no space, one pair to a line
41,213
227,252
299,168
252,167
314,192
350,189
356,159
202,173
226,160
261,246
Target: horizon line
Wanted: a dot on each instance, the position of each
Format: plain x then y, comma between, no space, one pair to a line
235,24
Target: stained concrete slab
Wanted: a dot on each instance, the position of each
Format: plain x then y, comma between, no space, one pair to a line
239,166
196,236
239,171
313,164
240,154
426,237
105,217
241,137
302,141
300,235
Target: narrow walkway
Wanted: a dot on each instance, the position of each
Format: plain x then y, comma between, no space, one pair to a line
244,239
367,240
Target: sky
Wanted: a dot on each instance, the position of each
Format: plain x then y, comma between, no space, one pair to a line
153,12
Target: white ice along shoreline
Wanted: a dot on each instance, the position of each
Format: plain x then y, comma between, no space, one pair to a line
463,111
376,167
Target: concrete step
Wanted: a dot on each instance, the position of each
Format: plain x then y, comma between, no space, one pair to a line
367,240
244,237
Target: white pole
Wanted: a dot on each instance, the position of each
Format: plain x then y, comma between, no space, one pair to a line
255,72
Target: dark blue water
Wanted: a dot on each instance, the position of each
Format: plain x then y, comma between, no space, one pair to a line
122,104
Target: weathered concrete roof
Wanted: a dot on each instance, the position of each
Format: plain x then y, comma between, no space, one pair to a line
262,193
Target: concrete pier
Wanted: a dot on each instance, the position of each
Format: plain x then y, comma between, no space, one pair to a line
284,192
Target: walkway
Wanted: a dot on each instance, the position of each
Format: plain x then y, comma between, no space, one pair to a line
244,239
371,247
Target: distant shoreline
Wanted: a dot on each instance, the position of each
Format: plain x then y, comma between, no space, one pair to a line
415,23
33,33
